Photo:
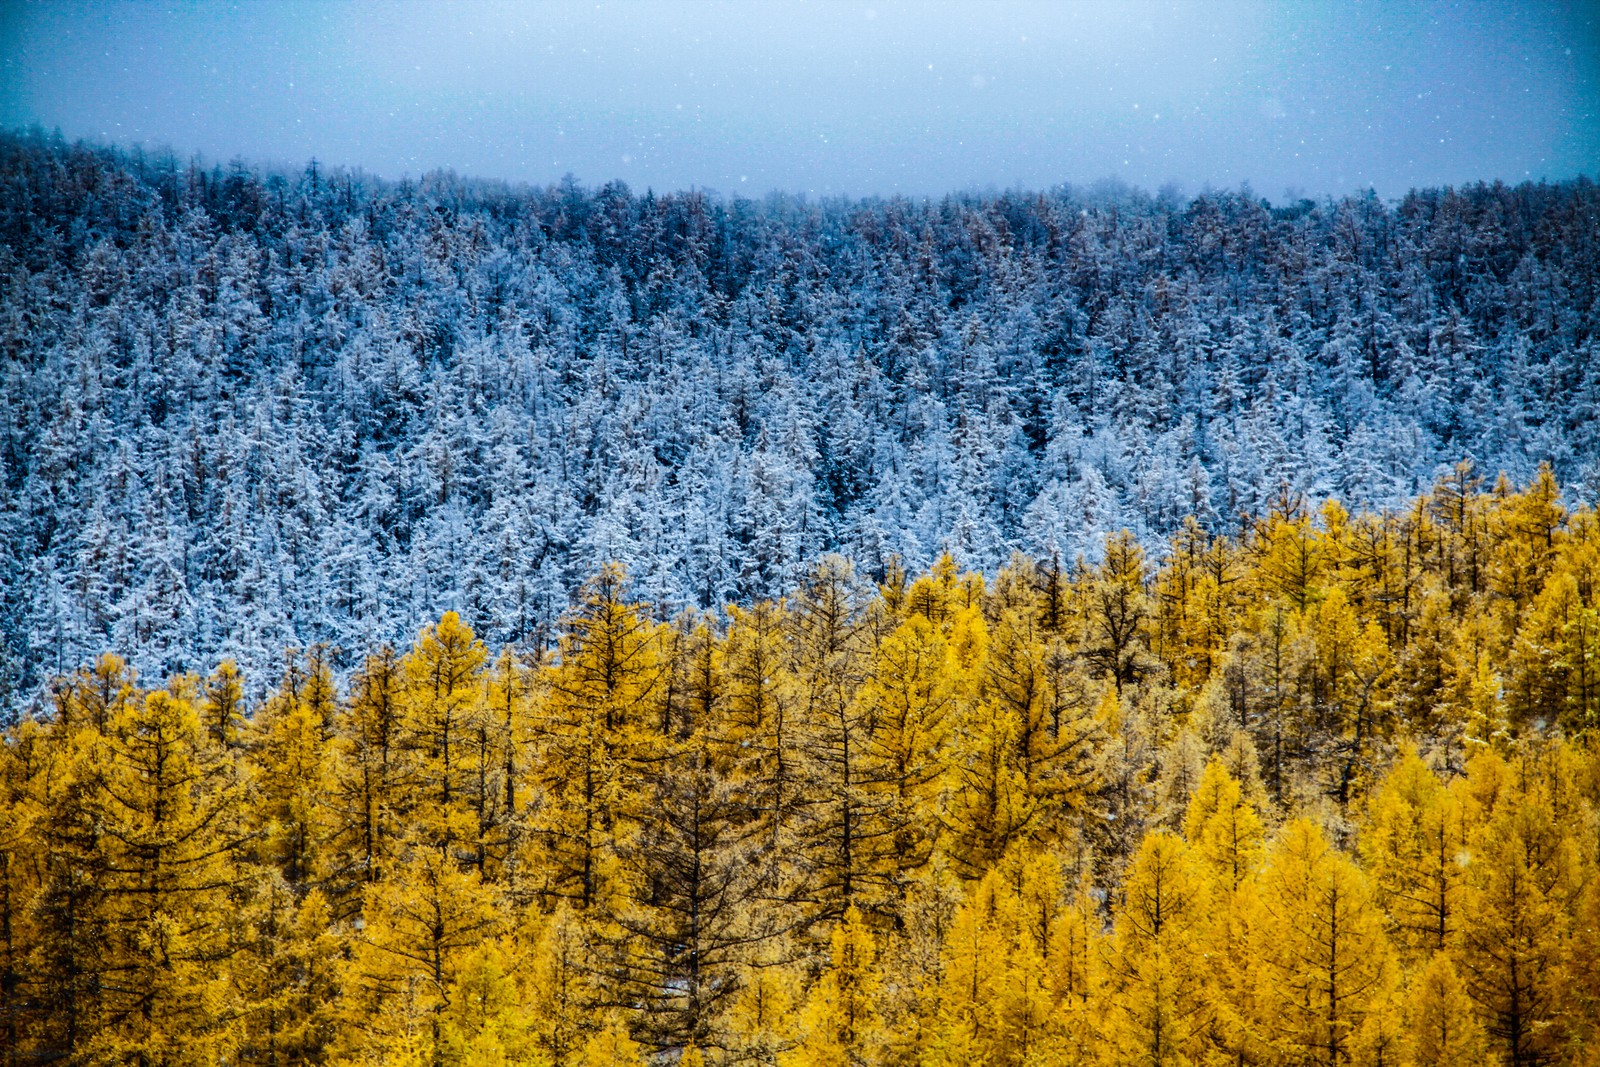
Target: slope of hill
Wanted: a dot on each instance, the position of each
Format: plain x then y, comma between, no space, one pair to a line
245,411
1327,793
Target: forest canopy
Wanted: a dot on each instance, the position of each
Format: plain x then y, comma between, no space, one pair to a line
450,623
1323,792
248,410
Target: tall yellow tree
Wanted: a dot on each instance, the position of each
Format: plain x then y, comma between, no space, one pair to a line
287,972
440,712
17,885
1414,843
222,711
57,865
290,772
1325,957
1117,613
167,802
1521,883
1157,977
1223,829
908,697
597,726
487,1022
756,721
371,796
999,999
1445,1031
418,928
840,1026
1022,755
1077,963
94,696
561,973
830,642
692,905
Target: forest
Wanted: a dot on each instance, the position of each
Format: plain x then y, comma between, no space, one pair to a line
446,622
1322,791
244,409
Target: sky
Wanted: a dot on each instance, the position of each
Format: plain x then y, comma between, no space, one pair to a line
875,98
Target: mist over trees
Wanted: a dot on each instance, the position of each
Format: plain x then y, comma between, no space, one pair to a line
247,411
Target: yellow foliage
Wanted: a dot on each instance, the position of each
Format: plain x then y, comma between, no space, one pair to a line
1444,1029
839,1025
611,1047
1323,956
1157,976
924,820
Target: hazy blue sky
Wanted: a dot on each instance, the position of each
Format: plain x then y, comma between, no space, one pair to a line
856,98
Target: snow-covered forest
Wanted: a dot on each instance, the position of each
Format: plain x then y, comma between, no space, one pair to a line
248,410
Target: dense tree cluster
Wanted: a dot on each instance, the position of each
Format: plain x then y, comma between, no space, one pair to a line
246,410
1324,792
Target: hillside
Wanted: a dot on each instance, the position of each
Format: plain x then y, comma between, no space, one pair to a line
1324,793
247,411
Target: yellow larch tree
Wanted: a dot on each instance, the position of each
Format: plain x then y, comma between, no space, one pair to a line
222,711
1458,511
597,726
502,735
1224,830
417,929
840,1026
1414,844
1077,968
1444,1028
757,727
691,906
612,1047
908,696
938,594
830,646
167,803
1117,613
372,792
1022,755
998,999
968,1026
441,702
1582,1023
1324,956
1485,723
1523,880
1524,530
94,696
1424,662
693,680
560,971
1156,976
287,974
487,1022
1194,604
58,867
17,885
1288,553
289,774
1239,988
762,1019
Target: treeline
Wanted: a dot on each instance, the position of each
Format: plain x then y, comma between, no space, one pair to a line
1324,793
245,410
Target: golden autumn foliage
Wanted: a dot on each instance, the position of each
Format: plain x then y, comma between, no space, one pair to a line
1327,792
